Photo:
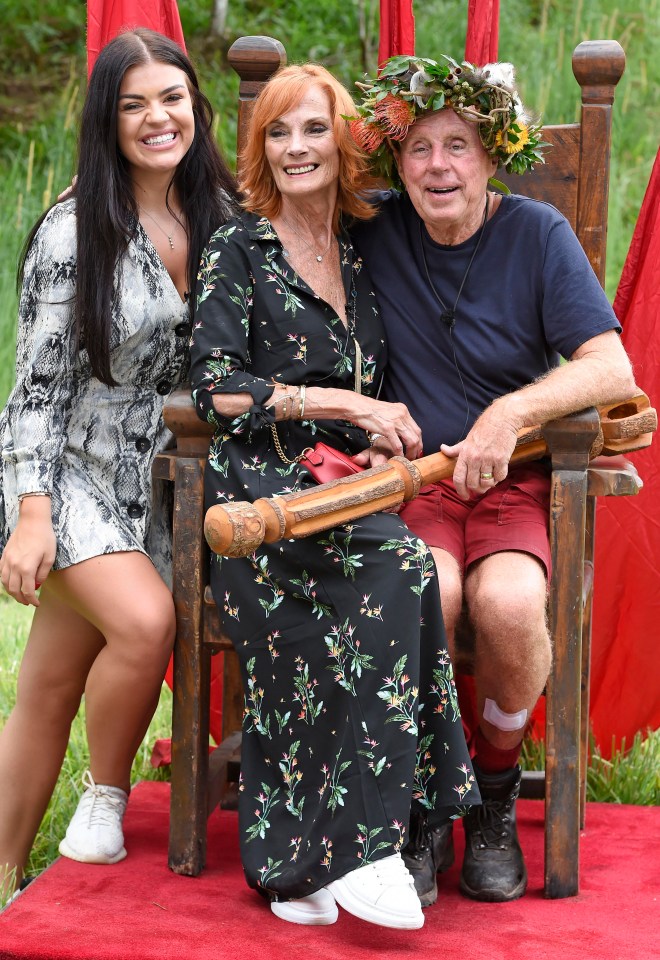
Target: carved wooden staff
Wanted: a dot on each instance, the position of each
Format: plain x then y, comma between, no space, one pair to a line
237,529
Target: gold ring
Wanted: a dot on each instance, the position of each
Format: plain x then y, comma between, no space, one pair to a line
486,476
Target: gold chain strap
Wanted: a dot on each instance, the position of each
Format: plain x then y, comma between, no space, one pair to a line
280,452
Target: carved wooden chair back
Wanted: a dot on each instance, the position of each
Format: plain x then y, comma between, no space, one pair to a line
575,178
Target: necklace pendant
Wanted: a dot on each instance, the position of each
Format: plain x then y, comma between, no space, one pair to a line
171,242
320,259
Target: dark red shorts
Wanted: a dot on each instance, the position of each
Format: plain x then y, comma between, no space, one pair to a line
513,515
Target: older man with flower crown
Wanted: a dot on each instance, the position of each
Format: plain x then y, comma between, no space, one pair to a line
481,295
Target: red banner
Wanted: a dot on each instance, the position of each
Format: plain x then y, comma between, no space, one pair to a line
105,18
397,29
483,25
625,690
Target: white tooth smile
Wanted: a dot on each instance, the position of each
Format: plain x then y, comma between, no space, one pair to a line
164,138
294,171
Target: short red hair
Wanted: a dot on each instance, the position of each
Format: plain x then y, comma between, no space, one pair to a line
285,90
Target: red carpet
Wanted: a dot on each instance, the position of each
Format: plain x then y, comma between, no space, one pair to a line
139,910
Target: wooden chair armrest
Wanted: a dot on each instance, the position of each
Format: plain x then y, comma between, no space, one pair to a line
164,465
192,434
613,477
570,439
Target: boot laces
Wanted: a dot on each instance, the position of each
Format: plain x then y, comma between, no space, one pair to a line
493,822
420,840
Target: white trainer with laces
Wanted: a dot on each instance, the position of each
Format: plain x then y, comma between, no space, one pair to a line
317,909
95,833
382,892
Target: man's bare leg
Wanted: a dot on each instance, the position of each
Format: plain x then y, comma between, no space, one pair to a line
506,597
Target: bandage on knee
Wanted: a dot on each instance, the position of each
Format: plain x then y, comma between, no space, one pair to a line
504,721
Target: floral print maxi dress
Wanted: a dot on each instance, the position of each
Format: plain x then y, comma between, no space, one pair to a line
350,707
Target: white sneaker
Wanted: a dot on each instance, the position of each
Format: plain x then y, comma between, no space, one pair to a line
382,892
318,909
95,834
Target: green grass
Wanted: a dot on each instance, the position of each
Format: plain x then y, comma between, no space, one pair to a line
35,164
42,43
631,775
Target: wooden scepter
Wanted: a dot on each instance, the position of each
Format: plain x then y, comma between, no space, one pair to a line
237,529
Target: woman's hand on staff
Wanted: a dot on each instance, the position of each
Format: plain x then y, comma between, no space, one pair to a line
30,552
397,431
373,456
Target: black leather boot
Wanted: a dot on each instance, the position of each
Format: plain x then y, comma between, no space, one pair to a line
493,866
418,857
428,851
442,840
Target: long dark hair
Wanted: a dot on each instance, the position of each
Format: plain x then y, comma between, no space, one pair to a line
106,209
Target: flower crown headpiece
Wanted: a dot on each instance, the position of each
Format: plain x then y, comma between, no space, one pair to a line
407,88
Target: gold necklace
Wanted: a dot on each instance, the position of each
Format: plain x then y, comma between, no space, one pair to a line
318,256
162,230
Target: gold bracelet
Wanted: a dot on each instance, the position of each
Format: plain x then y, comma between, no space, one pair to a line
283,399
301,408
33,493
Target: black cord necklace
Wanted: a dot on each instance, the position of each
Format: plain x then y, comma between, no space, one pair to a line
448,315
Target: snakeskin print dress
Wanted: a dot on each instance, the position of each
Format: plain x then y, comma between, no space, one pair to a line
63,431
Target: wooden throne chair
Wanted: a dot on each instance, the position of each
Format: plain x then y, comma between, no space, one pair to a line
575,179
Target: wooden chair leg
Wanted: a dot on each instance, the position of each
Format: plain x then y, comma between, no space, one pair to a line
567,524
226,755
192,679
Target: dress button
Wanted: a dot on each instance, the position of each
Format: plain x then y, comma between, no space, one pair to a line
142,444
182,330
134,511
163,387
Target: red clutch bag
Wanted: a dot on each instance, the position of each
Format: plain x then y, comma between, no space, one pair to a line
325,463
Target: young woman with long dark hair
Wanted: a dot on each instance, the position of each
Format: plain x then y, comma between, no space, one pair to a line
104,326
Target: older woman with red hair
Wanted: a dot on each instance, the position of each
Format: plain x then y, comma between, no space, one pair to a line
349,718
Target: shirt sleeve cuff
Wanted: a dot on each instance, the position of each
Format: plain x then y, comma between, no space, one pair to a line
34,476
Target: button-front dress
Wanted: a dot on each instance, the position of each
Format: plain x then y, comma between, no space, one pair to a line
63,432
350,712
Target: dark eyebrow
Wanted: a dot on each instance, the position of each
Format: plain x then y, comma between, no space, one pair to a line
138,96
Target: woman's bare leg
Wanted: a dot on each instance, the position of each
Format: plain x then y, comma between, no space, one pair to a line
59,653
105,626
124,597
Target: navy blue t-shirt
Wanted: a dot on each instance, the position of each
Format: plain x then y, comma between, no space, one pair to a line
530,297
